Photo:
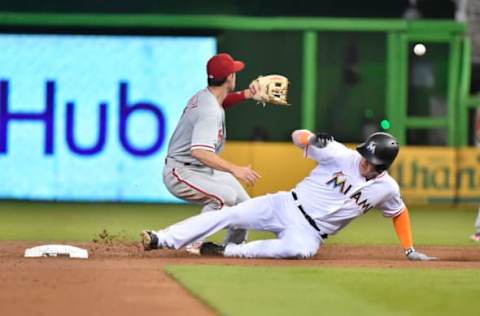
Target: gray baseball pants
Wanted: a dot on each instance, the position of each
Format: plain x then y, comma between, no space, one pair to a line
208,187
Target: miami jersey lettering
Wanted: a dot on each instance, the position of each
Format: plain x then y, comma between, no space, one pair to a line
339,181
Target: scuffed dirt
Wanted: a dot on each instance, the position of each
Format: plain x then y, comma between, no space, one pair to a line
120,278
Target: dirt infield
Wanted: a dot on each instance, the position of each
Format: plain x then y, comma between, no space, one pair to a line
124,280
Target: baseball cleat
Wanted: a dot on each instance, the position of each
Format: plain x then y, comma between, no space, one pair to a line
211,249
149,240
475,237
194,247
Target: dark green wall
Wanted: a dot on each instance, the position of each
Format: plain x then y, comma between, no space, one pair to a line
351,80
265,53
428,98
351,83
434,60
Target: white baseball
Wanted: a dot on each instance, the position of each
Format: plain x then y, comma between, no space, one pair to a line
419,49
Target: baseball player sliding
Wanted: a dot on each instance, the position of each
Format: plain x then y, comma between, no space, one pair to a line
343,186
193,170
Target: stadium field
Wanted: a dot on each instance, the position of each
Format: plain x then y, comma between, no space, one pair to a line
362,270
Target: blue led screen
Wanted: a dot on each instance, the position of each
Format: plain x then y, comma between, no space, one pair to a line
88,117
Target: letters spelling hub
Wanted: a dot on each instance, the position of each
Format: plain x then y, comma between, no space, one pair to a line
47,117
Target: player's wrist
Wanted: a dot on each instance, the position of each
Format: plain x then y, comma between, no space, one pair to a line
233,169
311,138
247,94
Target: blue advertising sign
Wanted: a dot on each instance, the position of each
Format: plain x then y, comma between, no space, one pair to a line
88,117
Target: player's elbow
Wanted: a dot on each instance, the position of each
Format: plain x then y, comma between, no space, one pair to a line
202,154
297,132
198,153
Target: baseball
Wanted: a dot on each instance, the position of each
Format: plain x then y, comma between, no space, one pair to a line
419,49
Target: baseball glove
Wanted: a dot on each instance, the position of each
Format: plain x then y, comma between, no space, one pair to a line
270,89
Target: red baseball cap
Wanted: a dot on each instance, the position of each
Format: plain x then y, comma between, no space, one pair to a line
222,65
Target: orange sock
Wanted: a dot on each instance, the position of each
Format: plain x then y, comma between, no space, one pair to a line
403,229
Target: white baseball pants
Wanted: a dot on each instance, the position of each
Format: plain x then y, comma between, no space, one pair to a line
276,213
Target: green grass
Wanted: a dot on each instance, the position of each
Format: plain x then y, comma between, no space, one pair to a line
431,225
83,221
332,291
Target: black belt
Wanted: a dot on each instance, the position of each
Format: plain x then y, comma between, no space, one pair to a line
308,217
184,163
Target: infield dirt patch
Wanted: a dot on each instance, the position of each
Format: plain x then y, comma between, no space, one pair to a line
124,280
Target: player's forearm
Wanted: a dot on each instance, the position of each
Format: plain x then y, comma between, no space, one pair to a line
236,97
403,229
301,137
212,160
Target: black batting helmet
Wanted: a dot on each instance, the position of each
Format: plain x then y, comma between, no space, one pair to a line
380,149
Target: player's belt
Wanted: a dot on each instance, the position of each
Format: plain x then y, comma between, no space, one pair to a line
182,163
308,217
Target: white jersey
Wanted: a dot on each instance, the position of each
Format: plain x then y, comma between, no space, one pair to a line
335,192
201,126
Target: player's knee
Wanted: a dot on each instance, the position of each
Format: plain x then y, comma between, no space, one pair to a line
306,253
300,251
242,197
230,198
213,205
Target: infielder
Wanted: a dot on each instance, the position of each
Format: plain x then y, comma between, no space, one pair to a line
343,186
193,170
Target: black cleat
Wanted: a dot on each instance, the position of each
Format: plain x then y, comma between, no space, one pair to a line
149,240
211,249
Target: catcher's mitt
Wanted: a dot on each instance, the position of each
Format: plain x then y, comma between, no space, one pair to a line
270,89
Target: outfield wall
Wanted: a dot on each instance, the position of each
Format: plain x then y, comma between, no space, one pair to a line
425,174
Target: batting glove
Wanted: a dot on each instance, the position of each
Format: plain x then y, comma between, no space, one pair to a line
320,140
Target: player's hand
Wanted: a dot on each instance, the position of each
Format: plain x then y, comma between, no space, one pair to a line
246,174
320,140
414,255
